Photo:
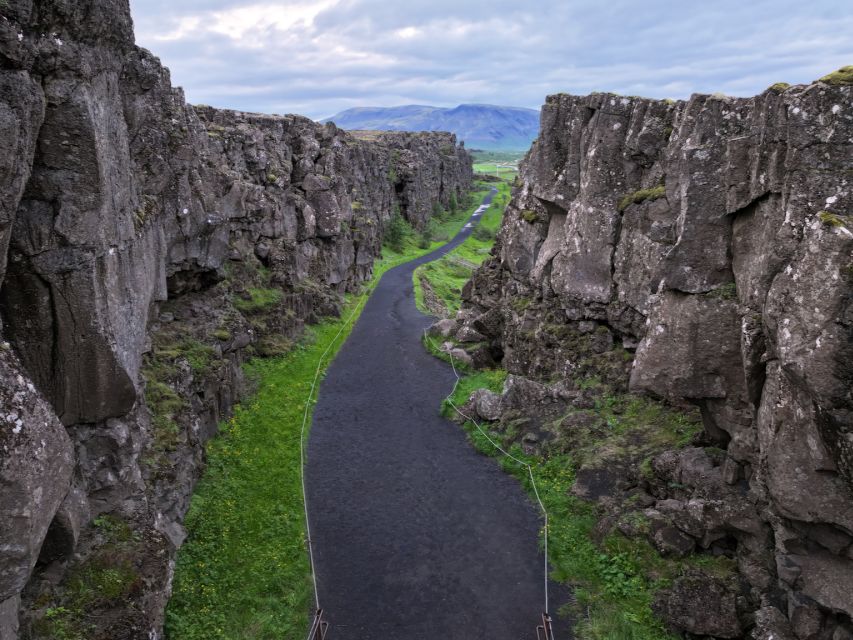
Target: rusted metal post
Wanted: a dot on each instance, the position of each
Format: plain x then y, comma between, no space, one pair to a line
318,627
545,631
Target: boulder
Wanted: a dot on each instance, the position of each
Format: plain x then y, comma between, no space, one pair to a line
487,404
442,328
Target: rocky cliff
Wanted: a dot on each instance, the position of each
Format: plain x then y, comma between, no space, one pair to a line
700,252
146,248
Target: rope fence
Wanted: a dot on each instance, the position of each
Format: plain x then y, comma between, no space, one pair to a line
504,452
318,626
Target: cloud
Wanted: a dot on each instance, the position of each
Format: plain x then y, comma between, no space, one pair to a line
319,57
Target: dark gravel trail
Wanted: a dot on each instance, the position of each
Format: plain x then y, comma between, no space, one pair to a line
416,535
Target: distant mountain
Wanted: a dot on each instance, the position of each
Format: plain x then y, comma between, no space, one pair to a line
481,126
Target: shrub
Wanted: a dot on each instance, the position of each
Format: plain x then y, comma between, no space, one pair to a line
425,239
483,234
454,203
779,87
397,232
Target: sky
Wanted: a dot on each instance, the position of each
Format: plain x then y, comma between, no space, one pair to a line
320,57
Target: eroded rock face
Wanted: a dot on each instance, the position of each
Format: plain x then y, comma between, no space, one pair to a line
118,200
710,243
36,463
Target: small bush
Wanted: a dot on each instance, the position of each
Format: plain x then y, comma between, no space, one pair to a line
397,232
483,234
779,87
454,203
425,239
273,346
437,211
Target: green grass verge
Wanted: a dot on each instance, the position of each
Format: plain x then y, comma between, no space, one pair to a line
243,571
615,579
448,275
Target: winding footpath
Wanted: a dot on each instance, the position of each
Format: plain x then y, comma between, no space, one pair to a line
415,534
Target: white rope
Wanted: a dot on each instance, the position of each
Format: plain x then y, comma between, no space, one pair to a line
506,453
302,448
302,459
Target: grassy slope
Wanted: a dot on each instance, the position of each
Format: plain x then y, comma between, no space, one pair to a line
447,275
244,572
615,579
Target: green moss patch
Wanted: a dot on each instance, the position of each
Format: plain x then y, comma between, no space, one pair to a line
655,193
844,76
258,300
832,219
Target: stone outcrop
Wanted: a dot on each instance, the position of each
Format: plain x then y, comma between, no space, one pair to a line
128,219
701,252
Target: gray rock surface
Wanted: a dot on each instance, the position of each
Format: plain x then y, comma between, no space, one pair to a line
700,251
36,463
128,219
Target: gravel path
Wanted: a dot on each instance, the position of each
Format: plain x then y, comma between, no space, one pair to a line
416,535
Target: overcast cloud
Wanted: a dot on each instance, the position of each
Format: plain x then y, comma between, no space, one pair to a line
318,58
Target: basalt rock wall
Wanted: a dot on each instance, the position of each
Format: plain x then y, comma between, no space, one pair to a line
712,240
118,199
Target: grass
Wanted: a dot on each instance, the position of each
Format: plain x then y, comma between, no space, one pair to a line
614,580
160,368
243,571
101,581
447,275
442,227
493,169
482,156
258,300
503,164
